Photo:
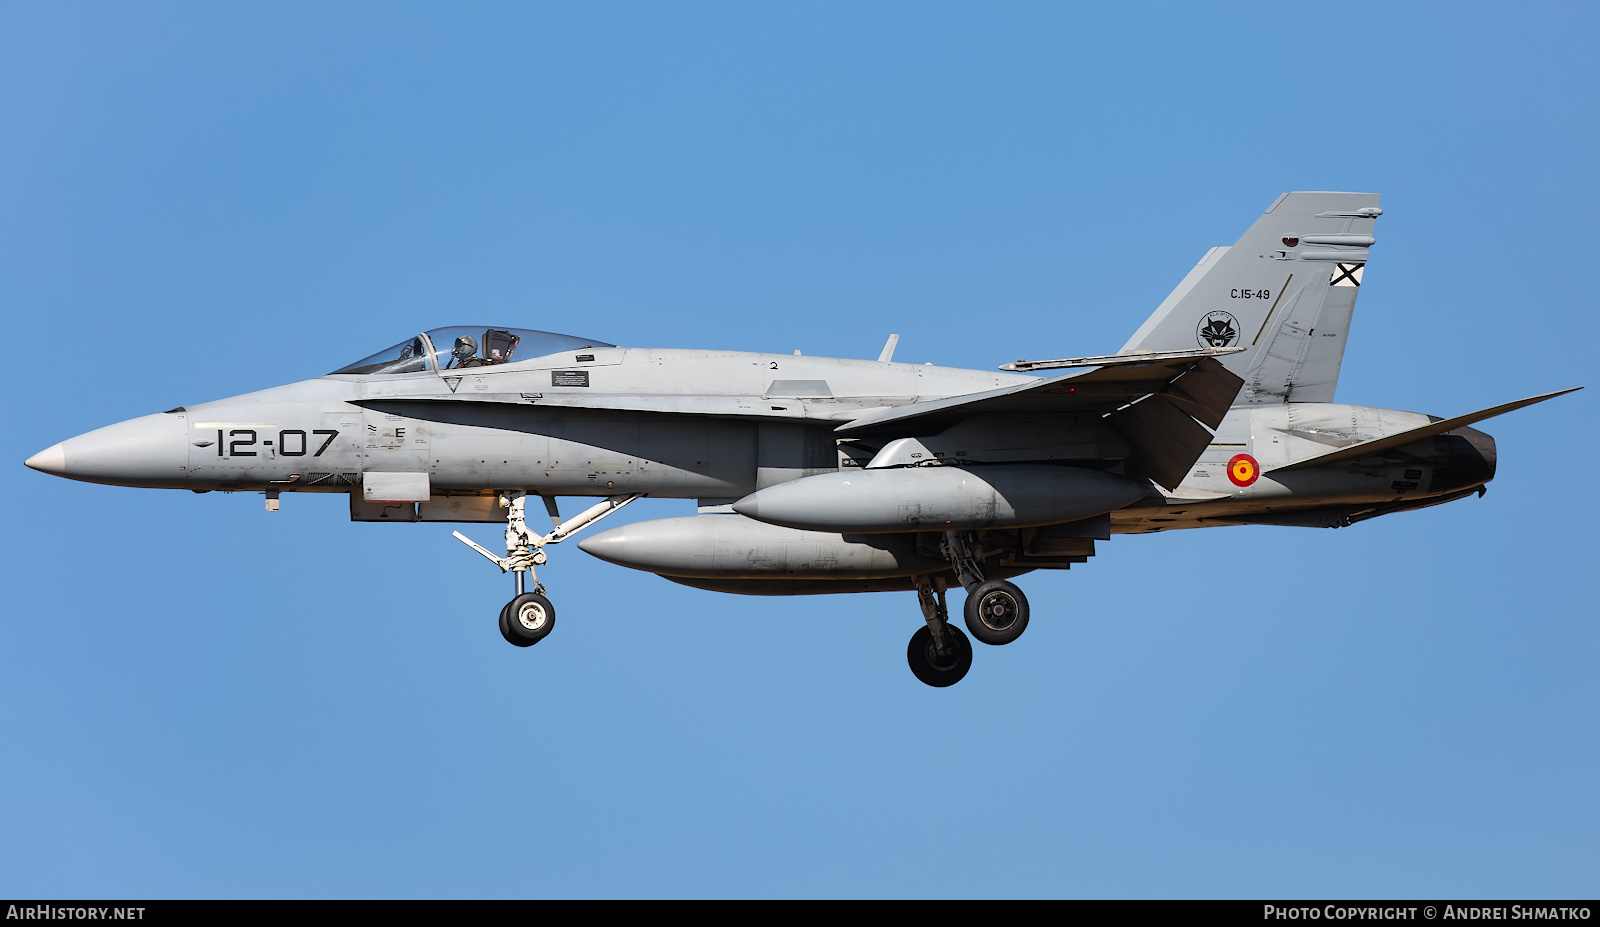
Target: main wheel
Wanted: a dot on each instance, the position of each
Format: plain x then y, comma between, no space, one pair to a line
935,668
996,612
527,618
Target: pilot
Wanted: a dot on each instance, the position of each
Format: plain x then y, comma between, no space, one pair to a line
465,353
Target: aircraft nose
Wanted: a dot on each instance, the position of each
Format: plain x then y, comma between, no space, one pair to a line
52,460
144,451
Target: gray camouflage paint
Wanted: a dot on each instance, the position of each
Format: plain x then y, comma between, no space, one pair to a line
719,426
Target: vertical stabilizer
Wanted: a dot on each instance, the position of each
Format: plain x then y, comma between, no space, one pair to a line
1284,292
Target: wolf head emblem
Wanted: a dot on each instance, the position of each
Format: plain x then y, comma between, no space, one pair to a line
1218,330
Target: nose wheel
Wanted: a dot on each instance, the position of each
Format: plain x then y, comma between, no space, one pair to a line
527,619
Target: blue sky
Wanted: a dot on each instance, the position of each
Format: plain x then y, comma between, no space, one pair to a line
200,699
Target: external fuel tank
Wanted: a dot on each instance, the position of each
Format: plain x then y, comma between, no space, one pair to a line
732,547
941,498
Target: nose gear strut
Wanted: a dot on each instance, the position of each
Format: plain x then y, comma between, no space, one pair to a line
528,617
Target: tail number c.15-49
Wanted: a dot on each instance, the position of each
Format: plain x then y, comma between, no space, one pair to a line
291,442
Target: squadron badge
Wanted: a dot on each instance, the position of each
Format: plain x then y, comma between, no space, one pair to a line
1218,330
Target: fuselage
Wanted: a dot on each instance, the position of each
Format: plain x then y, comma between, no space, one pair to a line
715,426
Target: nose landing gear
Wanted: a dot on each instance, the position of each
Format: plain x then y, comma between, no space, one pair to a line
528,618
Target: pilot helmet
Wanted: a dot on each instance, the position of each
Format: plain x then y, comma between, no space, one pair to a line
466,346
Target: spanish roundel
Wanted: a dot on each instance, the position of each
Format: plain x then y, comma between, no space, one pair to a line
1243,470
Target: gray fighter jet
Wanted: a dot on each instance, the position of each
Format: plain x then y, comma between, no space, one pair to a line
825,475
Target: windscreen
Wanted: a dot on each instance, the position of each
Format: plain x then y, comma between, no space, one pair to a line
408,356
469,346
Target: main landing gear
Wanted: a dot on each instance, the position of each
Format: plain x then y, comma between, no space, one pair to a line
529,617
996,612
939,653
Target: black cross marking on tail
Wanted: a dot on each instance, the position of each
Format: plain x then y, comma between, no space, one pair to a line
1344,272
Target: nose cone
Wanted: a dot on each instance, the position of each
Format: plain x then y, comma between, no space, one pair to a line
52,460
145,451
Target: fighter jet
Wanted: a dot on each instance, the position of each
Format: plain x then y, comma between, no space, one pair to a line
825,475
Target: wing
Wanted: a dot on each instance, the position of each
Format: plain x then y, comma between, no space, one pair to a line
1163,405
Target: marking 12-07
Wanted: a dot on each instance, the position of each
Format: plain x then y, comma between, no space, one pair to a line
291,442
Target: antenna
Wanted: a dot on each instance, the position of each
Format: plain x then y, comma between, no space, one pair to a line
887,354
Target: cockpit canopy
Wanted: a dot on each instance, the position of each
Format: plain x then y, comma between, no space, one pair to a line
466,346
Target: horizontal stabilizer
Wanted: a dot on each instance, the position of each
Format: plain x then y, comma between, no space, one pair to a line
1379,445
